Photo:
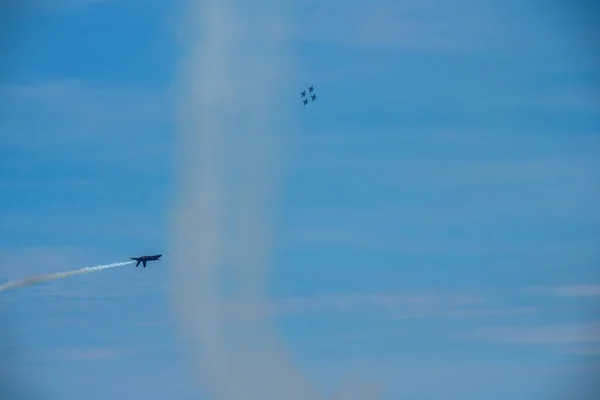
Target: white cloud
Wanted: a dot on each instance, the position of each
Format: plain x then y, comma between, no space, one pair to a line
428,304
457,376
98,352
433,25
407,305
467,313
584,99
434,236
128,224
535,169
588,332
61,4
82,113
355,302
73,127
586,290
569,290
478,180
35,260
89,353
355,388
583,351
408,25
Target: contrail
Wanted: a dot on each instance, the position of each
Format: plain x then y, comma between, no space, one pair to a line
32,280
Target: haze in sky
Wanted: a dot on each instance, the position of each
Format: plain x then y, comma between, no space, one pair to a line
428,228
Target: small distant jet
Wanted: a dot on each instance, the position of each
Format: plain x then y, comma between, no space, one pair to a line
313,97
305,101
303,93
310,89
144,259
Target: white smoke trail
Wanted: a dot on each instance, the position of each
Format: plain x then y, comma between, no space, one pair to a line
230,113
231,110
32,280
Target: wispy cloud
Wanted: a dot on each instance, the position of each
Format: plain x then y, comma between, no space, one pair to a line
355,388
99,352
432,238
90,353
427,304
82,2
468,313
52,5
423,304
133,224
431,26
75,101
408,25
590,290
87,118
450,171
569,98
34,260
588,332
63,143
365,302
474,180
383,24
583,351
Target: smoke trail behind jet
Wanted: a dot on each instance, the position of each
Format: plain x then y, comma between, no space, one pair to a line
32,280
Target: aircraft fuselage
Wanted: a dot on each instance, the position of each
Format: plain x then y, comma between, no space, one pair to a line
145,259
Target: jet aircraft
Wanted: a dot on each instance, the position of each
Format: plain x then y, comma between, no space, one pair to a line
313,97
303,93
144,259
305,101
310,89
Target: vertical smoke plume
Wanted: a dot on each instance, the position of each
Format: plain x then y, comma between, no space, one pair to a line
229,140
230,118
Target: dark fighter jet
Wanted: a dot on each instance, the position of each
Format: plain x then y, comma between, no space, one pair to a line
144,259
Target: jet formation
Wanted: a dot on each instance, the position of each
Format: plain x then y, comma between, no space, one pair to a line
145,259
313,97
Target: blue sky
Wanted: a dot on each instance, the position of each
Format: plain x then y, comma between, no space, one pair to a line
438,216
